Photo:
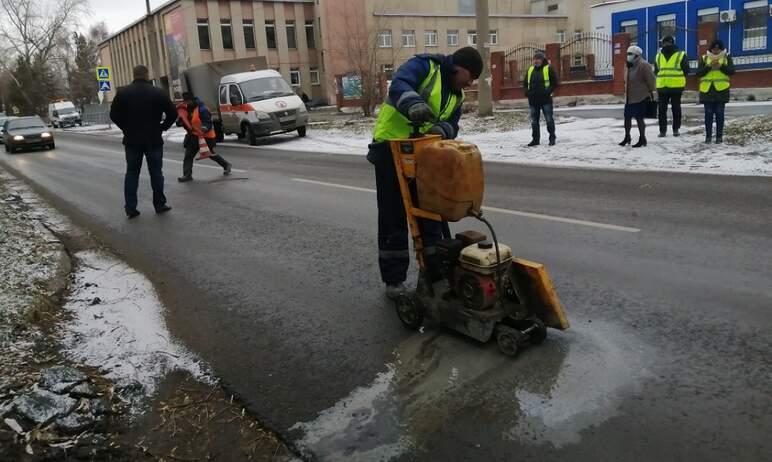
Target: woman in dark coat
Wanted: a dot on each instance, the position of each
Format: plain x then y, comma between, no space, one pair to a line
640,84
714,72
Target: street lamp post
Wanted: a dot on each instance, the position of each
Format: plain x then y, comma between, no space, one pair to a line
484,97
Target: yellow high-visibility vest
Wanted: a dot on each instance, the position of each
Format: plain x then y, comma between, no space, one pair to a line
670,74
715,77
546,73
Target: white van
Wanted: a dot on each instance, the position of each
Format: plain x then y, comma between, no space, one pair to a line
63,114
260,103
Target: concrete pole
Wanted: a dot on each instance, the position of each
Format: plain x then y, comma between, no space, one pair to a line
484,97
152,43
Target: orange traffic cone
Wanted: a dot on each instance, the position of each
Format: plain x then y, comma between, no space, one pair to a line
203,149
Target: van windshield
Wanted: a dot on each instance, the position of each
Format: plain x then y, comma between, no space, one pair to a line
66,110
265,88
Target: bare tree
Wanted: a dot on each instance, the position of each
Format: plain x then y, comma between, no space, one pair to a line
358,44
31,32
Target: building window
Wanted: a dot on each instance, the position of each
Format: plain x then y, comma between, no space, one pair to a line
295,77
471,37
388,70
577,35
292,41
708,15
315,76
430,37
552,8
270,33
453,38
227,34
561,36
249,34
755,25
408,38
310,39
202,24
631,29
666,25
493,38
384,39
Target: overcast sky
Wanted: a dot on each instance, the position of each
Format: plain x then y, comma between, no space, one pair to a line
118,13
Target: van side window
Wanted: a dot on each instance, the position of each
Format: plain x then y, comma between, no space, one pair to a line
224,94
235,94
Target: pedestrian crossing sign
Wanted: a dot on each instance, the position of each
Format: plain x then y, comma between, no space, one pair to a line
103,73
105,86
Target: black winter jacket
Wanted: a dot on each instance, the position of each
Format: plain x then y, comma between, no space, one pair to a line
143,112
538,95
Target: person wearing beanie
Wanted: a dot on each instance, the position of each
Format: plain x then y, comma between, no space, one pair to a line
539,84
198,124
426,94
671,67
715,71
640,85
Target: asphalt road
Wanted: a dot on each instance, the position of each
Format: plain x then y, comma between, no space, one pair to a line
689,109
666,279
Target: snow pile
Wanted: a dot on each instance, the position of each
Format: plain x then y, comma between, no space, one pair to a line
118,326
752,130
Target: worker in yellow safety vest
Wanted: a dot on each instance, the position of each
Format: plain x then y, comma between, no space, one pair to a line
671,67
714,72
539,85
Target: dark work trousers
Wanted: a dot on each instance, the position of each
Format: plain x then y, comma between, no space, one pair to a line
191,149
714,110
134,155
536,111
674,99
394,253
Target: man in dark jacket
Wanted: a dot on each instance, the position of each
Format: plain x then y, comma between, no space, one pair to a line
199,125
143,112
539,84
671,67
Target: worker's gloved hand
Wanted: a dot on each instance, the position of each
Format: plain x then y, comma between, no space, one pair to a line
420,113
444,129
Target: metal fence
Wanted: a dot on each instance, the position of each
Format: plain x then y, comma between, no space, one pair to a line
96,114
587,56
520,58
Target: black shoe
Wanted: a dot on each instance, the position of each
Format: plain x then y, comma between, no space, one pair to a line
185,179
662,135
641,142
626,141
708,139
132,213
719,140
532,144
227,170
676,132
552,141
162,209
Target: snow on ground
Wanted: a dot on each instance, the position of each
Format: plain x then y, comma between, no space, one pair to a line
118,326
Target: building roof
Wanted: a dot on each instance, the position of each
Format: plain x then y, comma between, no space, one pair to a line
398,14
609,2
143,18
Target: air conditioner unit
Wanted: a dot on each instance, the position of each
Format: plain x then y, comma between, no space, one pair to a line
728,16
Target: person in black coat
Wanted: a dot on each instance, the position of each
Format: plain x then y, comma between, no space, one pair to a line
715,71
671,67
539,84
143,112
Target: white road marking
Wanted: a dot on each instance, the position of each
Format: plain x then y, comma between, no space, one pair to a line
538,216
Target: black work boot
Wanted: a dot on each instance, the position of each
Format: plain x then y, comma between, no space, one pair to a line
185,179
533,143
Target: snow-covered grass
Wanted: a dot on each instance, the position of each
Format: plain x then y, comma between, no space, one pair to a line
118,326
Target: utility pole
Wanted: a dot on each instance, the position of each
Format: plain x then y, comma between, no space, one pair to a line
155,64
484,97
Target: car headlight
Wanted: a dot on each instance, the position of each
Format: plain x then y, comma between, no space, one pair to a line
18,138
45,135
302,108
263,116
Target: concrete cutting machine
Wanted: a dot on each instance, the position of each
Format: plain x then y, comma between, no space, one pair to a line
468,282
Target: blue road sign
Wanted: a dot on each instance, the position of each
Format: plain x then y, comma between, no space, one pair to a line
105,86
103,73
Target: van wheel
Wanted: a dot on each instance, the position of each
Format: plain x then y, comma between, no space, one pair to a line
251,136
302,132
218,131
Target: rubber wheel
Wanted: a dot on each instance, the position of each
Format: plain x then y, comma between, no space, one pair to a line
409,313
251,136
7,149
218,133
302,132
509,340
539,334
52,146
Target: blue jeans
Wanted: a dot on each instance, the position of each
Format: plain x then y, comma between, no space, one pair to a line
134,155
548,117
714,110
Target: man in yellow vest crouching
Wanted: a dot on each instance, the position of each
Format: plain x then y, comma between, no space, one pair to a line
428,91
714,72
539,85
671,67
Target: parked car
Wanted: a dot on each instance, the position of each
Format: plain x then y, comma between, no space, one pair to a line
26,133
64,114
3,119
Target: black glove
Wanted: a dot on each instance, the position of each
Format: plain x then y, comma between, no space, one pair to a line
444,129
420,113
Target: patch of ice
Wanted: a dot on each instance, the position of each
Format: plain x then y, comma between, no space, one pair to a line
118,326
